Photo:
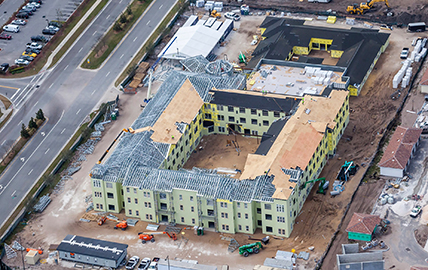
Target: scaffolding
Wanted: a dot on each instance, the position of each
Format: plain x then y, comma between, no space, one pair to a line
195,64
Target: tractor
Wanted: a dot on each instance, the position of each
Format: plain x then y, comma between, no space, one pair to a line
246,250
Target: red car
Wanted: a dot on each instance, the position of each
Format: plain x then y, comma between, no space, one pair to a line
5,36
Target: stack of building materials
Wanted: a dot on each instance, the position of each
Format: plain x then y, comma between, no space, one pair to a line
400,74
140,73
331,19
386,198
218,6
209,5
16,245
337,188
368,25
416,50
200,3
42,204
319,76
350,21
407,77
282,260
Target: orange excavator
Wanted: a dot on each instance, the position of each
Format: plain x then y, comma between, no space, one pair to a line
149,236
119,225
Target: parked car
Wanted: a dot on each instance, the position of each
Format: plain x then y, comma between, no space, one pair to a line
21,62
28,11
34,45
29,54
154,263
33,4
11,28
39,38
22,15
26,57
29,8
48,32
56,24
4,67
232,16
404,53
5,36
416,211
29,50
19,22
36,1
144,264
51,27
132,262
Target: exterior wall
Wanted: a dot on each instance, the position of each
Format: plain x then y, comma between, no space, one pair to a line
391,172
186,207
336,54
225,216
359,236
82,258
300,50
424,89
107,196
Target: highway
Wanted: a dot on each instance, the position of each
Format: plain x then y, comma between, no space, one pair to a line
66,94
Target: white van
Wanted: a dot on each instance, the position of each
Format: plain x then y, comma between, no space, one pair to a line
11,28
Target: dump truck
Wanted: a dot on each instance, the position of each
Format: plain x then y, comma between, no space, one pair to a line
246,250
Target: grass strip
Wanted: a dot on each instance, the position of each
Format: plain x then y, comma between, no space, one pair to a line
110,40
42,58
149,45
79,31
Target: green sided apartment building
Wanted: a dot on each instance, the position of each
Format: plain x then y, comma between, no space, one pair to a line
143,176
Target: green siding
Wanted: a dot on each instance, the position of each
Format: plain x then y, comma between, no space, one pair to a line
359,236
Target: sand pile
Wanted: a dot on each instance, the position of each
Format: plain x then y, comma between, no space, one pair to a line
402,208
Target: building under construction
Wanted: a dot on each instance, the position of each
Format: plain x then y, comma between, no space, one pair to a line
144,175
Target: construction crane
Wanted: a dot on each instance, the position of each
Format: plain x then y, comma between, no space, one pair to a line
149,236
321,188
119,225
364,6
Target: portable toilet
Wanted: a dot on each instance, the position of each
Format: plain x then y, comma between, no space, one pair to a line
245,10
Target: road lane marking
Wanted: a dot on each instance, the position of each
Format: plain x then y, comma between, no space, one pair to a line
15,93
30,172
108,74
80,50
51,86
47,151
35,104
78,112
13,193
3,142
135,39
33,79
63,131
160,6
148,22
35,150
94,33
66,67
9,87
93,92
122,56
1,187
108,17
120,1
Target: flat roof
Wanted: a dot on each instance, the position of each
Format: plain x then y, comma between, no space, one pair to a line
92,247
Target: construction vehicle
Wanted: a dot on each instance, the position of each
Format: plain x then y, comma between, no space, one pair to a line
149,236
364,7
246,250
119,225
321,188
215,14
135,131
347,169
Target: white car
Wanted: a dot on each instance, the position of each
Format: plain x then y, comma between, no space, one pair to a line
132,262
416,211
51,27
34,45
33,4
21,62
144,264
232,16
19,22
404,53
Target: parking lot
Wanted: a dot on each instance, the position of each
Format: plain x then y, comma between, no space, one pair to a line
58,10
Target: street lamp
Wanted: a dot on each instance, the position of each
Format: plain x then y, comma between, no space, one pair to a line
167,258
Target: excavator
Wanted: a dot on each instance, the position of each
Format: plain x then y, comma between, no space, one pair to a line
149,236
119,225
364,6
321,188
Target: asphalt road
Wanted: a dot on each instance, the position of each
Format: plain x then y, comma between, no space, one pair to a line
49,10
67,94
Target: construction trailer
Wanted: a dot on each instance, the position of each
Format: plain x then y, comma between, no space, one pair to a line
416,27
92,251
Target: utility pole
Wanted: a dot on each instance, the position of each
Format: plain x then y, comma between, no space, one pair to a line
167,258
22,255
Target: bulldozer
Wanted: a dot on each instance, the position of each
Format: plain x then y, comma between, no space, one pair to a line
246,250
119,225
150,236
215,14
364,7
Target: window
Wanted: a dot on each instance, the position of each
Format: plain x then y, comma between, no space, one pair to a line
129,200
280,219
269,229
221,129
136,201
265,123
135,191
208,106
238,204
208,116
231,119
220,107
259,210
242,120
162,196
163,206
224,215
239,227
191,198
210,202
130,212
254,121
110,195
280,208
247,228
230,108
220,117
254,132
246,216
196,130
223,204
268,217
253,111
276,114
192,208
210,212
265,113
239,215
182,219
98,194
111,207
281,231
127,189
137,213
96,183
181,207
193,221
259,223
268,206
180,197
145,194
225,227
245,205
242,110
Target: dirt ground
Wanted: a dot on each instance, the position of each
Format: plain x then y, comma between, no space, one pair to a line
320,215
405,11
214,152
421,235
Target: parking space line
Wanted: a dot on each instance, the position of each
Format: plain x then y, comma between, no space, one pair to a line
148,22
35,104
51,86
160,6
78,112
